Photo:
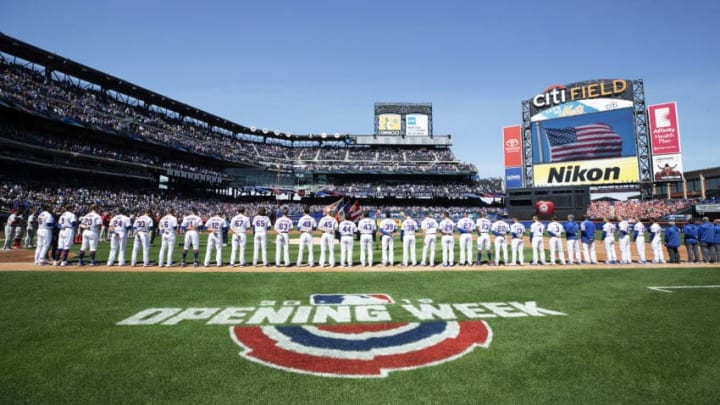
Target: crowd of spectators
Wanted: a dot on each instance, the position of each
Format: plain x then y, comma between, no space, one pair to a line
643,209
60,98
29,197
71,149
417,190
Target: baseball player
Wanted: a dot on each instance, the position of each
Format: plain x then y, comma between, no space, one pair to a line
215,227
465,226
608,236
447,227
191,225
261,224
537,230
555,230
587,237
142,227
239,225
483,225
690,230
167,226
90,225
572,231
639,236
19,230
387,229
328,225
105,225
347,229
46,222
31,230
517,245
429,226
409,227
306,225
624,230
10,230
672,242
500,229
283,225
706,236
118,228
716,239
67,223
366,227
656,243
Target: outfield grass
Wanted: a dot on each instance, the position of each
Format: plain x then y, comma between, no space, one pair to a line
620,342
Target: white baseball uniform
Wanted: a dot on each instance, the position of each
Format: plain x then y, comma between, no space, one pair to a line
168,230
283,225
537,241
388,227
447,242
556,230
409,227
142,227
500,229
517,244
214,226
429,227
466,225
239,224
261,224
367,227
328,225
347,229
306,225
119,225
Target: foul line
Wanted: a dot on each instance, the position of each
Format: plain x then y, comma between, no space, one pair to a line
673,287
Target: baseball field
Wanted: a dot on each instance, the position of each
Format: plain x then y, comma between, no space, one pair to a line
555,334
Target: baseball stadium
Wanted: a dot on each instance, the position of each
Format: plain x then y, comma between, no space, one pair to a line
154,252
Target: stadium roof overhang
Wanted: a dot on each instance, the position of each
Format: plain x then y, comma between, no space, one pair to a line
107,81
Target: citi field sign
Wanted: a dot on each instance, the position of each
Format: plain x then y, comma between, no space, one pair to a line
587,96
350,335
561,94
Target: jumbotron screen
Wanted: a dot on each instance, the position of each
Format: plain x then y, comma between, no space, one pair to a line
406,119
578,141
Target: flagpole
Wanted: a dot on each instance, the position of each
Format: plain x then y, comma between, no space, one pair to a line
541,155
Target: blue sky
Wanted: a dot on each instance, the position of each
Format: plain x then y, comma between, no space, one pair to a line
314,66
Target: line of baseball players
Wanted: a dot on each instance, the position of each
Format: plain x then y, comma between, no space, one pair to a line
577,237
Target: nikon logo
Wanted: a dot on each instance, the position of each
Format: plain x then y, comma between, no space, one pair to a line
575,174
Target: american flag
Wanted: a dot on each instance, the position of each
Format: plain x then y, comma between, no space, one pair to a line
592,141
353,212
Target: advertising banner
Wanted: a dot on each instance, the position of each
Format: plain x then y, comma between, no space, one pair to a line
667,167
587,172
416,125
513,177
512,146
389,124
664,128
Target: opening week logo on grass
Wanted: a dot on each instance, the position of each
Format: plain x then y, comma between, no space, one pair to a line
350,335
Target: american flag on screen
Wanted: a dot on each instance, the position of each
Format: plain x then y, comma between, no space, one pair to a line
592,141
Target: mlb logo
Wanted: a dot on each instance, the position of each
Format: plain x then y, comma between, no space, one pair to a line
350,299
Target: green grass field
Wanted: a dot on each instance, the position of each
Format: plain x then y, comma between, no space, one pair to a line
619,341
